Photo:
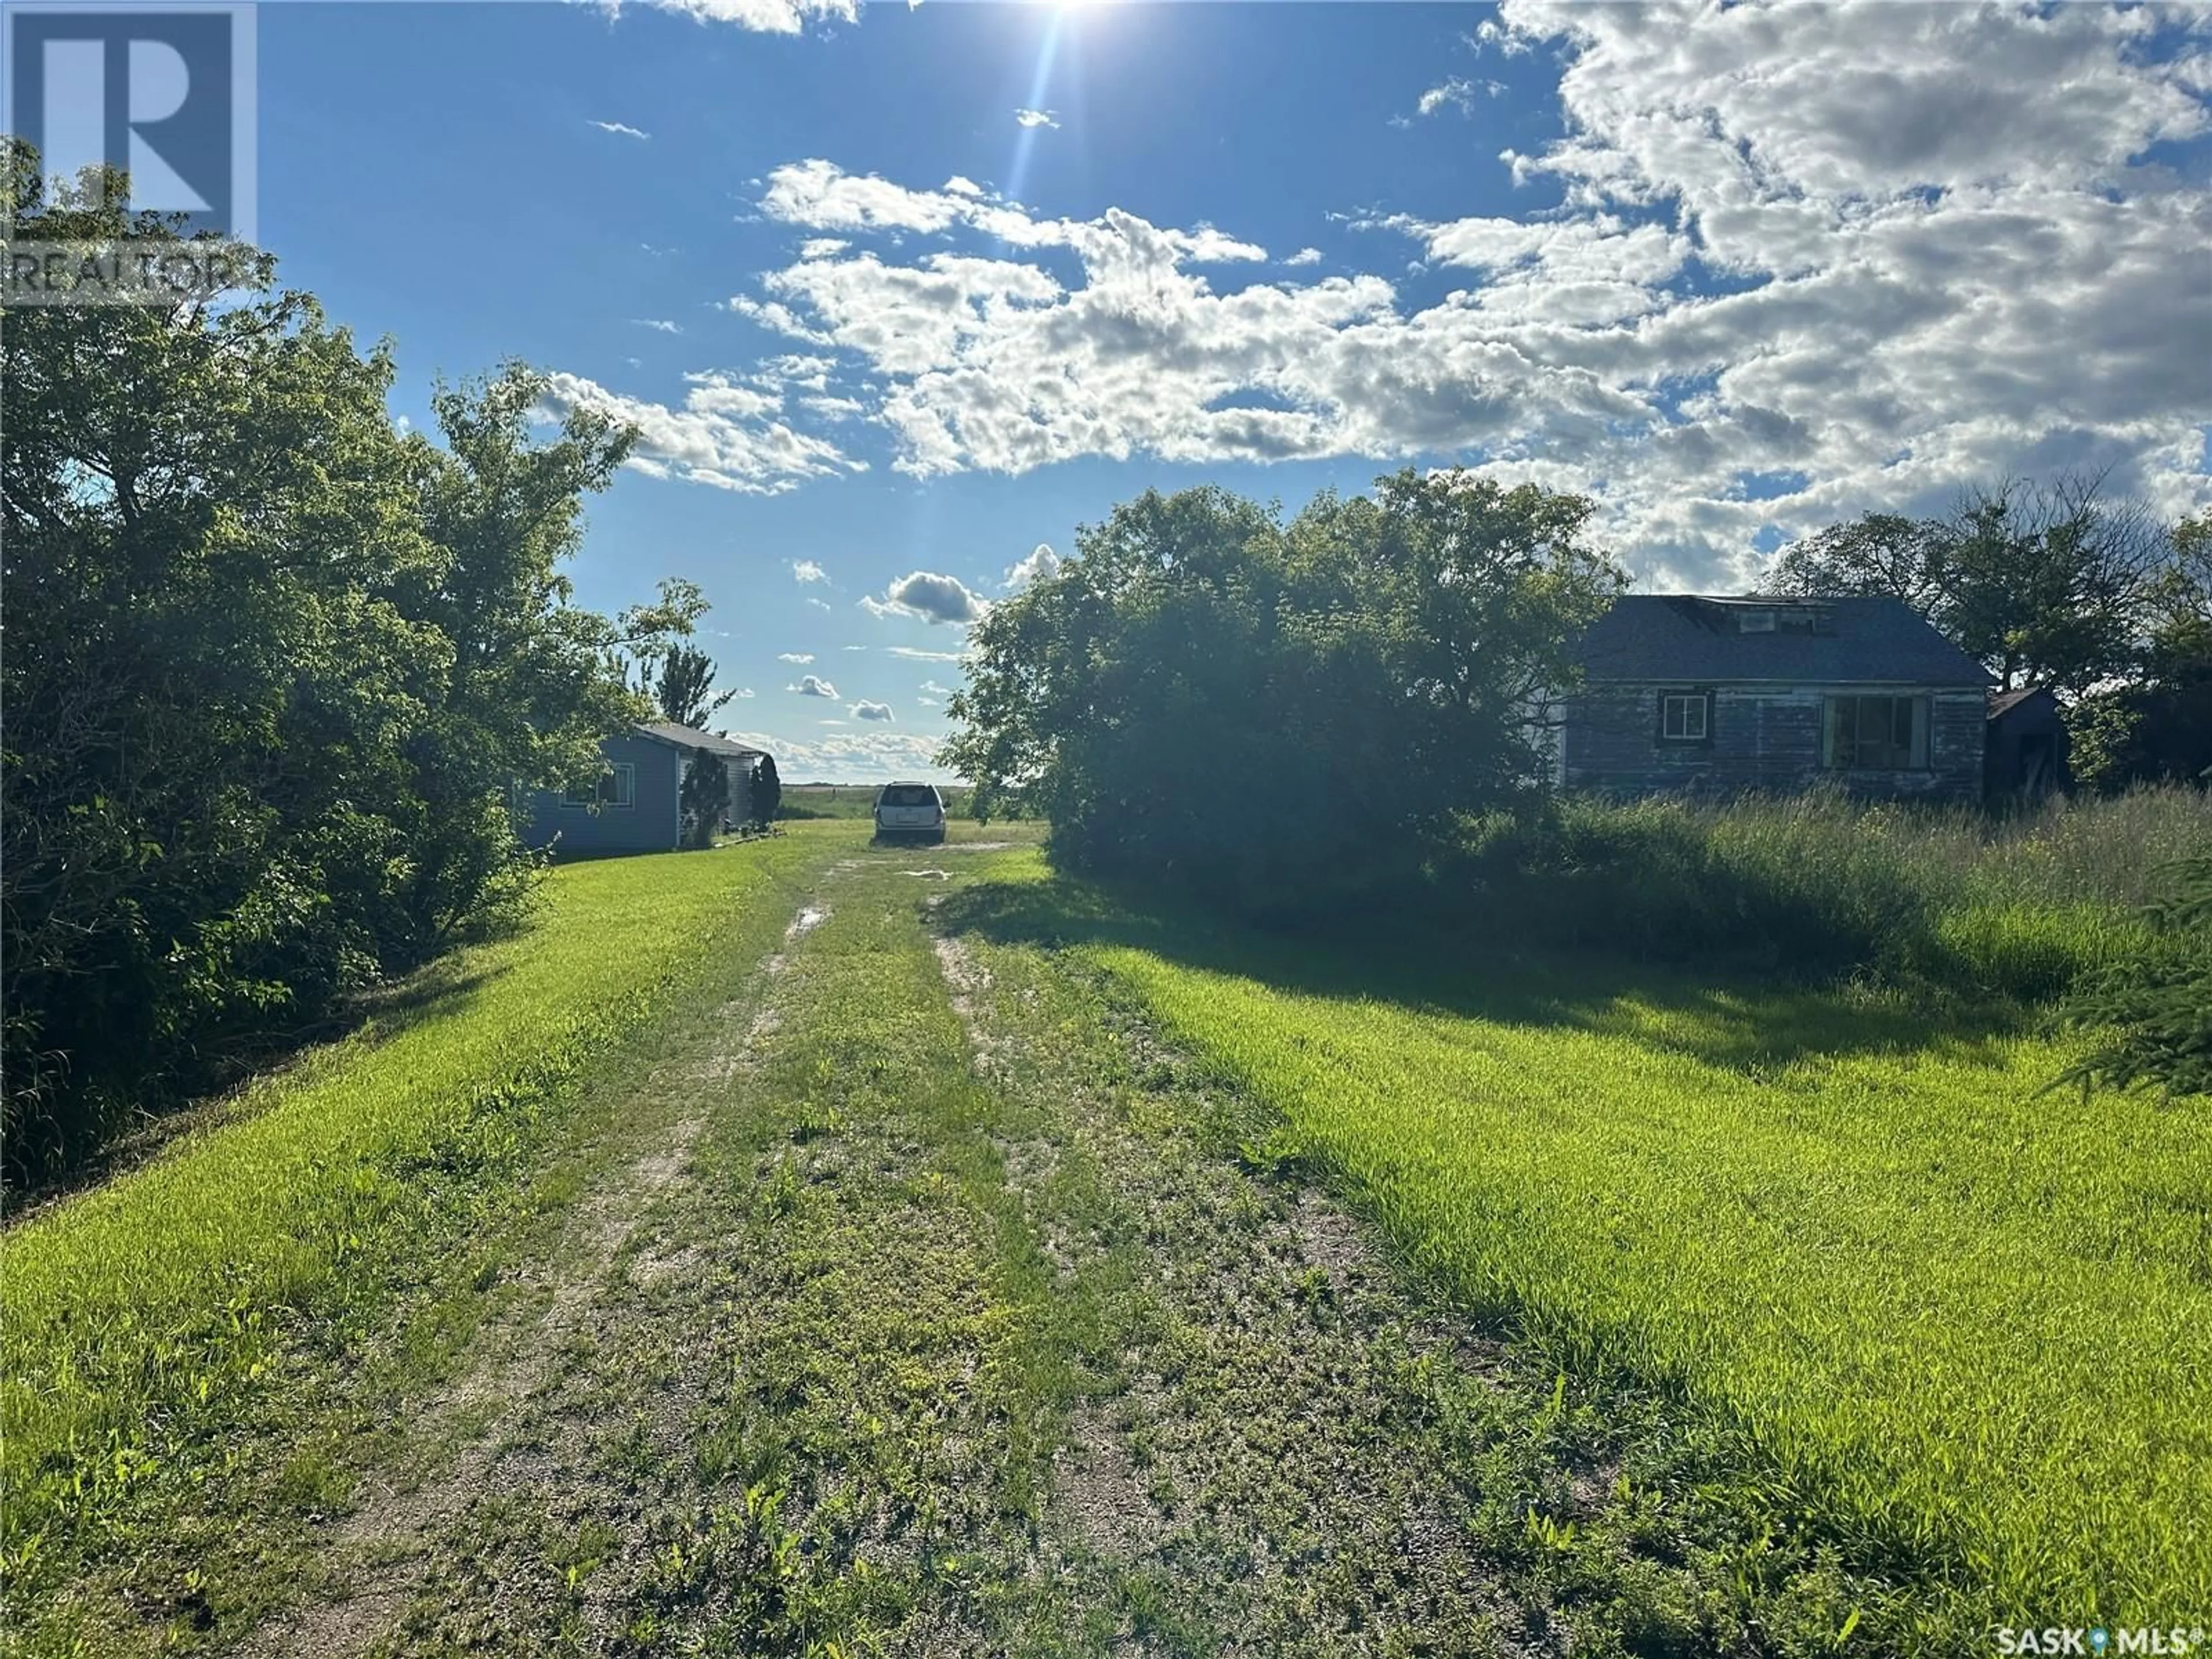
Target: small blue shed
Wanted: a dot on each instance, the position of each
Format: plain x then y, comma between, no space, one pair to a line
636,804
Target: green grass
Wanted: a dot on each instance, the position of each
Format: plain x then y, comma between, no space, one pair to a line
1961,1327
139,1322
1966,1327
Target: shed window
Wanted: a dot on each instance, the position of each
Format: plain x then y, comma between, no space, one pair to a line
616,786
1685,716
1875,734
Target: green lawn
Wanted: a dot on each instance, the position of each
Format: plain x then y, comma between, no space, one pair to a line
1966,1329
138,1321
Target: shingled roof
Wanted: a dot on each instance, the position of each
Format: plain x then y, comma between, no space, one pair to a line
1700,638
685,736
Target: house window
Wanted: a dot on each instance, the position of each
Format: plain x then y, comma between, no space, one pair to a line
616,786
1875,734
1685,716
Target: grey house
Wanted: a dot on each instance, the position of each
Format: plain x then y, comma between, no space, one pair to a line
1686,694
636,803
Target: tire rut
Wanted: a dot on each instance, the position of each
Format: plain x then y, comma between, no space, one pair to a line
373,1556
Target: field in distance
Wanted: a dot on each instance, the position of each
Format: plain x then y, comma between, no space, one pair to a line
854,800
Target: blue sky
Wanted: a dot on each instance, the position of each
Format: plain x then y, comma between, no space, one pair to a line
1737,273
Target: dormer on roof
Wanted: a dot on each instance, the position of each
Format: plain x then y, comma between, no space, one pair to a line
1761,614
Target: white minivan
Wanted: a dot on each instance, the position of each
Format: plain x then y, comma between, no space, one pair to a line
910,809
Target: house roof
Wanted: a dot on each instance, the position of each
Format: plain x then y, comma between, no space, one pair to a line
685,736
1687,636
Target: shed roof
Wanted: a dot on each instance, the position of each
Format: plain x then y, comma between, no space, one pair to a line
1689,637
2003,702
685,736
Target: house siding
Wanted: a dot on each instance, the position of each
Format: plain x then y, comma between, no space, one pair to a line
649,825
1760,738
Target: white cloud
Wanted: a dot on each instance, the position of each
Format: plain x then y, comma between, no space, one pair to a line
805,571
819,605
925,702
912,654
728,434
1035,118
658,324
876,755
795,656
822,247
958,186
777,318
1042,565
620,130
851,647
930,596
1304,256
934,687
765,16
1865,252
810,686
865,710
1458,92
744,692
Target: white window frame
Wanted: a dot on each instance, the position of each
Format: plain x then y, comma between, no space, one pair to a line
1685,702
616,788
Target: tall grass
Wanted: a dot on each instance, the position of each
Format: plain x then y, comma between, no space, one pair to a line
1950,898
137,1320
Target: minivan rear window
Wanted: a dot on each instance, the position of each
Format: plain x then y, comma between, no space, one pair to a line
909,794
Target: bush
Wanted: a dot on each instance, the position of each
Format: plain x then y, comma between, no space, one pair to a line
2154,1005
1282,718
274,669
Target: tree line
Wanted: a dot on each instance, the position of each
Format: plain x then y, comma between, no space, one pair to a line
277,673
1278,713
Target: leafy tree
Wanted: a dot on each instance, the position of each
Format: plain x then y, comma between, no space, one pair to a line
1275,714
1879,554
768,793
644,634
2045,586
528,695
2048,586
684,688
2160,725
272,670
2179,601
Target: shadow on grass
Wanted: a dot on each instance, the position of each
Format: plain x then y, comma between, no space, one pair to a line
438,988
1725,1014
